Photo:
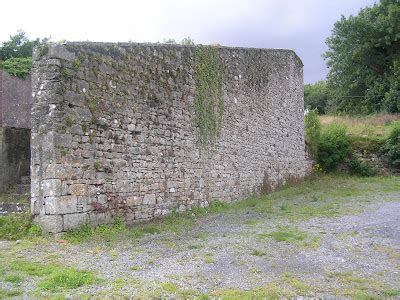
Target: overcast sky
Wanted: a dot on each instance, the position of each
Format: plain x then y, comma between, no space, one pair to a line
301,25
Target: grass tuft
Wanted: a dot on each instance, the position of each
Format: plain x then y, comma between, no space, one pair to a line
67,278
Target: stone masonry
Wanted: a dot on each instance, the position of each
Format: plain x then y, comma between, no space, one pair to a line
15,112
114,131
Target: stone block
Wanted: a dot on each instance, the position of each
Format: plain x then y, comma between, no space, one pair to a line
61,205
51,187
74,221
60,51
49,223
149,199
133,201
79,189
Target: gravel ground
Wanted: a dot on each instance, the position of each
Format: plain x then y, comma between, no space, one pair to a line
339,256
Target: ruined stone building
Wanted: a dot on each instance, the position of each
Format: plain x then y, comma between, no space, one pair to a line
141,130
15,124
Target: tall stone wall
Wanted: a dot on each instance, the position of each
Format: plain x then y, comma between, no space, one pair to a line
15,101
118,129
15,123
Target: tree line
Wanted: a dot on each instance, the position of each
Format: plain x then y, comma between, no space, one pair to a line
364,64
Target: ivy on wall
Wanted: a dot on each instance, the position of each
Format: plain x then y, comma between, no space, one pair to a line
208,101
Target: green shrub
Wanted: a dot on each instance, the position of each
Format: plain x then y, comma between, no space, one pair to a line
14,227
393,145
334,147
360,168
18,66
312,132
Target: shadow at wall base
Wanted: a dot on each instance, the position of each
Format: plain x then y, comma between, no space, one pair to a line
15,156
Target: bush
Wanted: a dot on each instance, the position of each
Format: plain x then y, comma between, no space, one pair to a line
392,145
360,168
334,147
19,67
14,227
312,132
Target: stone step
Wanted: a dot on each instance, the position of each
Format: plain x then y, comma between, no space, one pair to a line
10,208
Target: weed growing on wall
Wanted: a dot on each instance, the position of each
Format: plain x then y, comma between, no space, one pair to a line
208,102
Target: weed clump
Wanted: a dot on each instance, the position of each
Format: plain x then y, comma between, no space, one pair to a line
14,227
334,147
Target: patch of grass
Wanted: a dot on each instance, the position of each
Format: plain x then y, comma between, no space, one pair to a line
10,293
391,292
285,234
54,277
13,278
388,251
300,287
292,235
195,246
367,126
32,268
358,287
18,226
120,283
257,253
209,258
135,268
169,287
67,278
267,291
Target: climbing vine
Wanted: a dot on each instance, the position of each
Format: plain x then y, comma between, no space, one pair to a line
208,102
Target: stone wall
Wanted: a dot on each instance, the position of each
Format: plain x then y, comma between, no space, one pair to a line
116,129
15,111
14,156
15,101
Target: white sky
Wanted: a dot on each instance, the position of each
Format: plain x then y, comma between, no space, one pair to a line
301,25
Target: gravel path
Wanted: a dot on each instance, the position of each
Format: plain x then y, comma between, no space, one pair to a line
343,255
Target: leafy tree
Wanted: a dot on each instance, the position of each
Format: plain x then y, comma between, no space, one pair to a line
316,96
16,54
18,46
364,60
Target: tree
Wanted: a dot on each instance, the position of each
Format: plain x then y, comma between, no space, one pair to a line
364,60
16,54
316,96
18,46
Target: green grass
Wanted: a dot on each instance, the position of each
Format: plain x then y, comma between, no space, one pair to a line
67,278
285,234
256,252
10,293
32,268
13,278
300,287
17,226
169,287
54,277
